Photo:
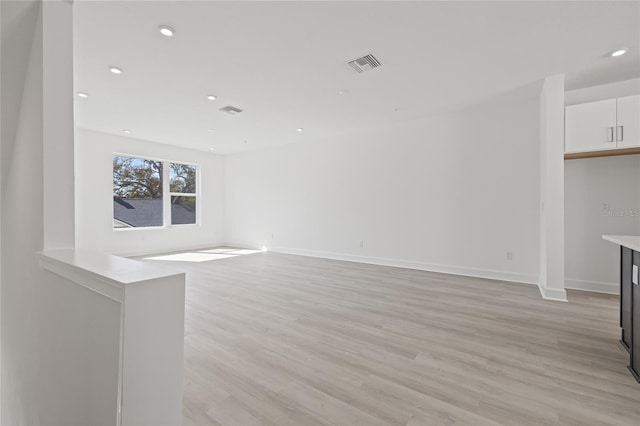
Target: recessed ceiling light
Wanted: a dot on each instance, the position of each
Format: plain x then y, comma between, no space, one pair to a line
211,97
299,129
619,52
115,70
126,132
343,92
211,149
83,95
166,30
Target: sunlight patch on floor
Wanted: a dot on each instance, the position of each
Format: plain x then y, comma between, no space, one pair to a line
204,255
245,251
190,257
217,250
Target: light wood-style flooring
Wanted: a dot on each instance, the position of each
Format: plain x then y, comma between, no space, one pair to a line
274,339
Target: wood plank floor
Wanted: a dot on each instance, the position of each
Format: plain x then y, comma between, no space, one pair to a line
275,339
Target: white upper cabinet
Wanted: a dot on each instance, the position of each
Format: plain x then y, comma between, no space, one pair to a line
590,126
603,125
627,126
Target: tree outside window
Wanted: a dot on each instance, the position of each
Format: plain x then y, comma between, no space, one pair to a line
182,184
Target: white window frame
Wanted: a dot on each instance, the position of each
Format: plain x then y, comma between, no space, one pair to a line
166,203
166,195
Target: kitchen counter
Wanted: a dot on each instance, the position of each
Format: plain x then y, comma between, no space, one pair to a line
629,297
628,241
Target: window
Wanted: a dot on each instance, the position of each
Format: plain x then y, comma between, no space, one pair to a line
182,184
141,199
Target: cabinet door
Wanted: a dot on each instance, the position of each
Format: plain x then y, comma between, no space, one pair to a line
634,365
590,126
625,295
628,132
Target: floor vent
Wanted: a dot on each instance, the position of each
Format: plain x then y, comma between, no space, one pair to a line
366,63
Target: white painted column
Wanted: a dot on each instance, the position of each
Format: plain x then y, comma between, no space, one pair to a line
58,126
551,282
1,192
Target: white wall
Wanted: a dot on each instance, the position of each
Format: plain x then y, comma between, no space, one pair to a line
75,380
602,196
451,193
605,91
44,377
94,197
1,192
22,232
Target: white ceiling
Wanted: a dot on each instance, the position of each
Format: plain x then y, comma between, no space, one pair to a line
284,63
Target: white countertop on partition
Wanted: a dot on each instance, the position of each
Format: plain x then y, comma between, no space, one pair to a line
103,273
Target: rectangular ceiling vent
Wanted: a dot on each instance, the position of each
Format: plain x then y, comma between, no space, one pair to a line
231,110
366,63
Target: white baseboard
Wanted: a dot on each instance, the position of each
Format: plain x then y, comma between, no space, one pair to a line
431,267
548,294
552,294
594,286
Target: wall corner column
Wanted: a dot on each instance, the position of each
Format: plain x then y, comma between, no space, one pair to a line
58,125
551,281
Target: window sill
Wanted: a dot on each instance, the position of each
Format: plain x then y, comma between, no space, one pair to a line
156,228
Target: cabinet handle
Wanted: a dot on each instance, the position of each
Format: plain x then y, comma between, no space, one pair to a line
620,133
609,134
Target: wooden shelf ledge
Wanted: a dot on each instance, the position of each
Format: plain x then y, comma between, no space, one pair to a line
606,153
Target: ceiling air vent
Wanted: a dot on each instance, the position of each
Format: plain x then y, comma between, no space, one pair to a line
231,110
366,63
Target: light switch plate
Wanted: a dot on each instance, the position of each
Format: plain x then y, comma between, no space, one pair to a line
634,276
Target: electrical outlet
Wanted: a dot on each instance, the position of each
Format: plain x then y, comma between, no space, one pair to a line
509,255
